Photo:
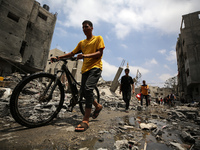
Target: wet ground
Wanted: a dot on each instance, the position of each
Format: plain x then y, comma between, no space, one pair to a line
104,132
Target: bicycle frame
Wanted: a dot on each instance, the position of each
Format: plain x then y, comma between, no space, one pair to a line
71,81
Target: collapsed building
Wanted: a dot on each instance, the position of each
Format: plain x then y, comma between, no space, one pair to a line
188,57
26,31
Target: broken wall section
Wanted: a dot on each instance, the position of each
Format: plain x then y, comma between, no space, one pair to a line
188,57
26,31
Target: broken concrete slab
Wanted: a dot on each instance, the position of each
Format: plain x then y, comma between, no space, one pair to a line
148,126
187,137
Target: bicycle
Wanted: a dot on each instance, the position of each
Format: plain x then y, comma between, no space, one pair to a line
38,98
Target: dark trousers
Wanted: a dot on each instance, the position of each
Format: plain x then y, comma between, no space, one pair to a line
126,97
146,97
88,83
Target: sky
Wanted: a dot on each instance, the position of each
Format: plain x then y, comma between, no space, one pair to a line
141,32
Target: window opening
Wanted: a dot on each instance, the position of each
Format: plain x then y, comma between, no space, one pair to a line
187,72
197,90
23,48
13,17
41,15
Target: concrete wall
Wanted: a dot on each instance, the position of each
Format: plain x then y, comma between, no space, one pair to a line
26,31
188,56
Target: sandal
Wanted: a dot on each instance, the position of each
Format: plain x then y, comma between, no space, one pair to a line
96,113
83,126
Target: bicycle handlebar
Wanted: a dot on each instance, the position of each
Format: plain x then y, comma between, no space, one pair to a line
63,59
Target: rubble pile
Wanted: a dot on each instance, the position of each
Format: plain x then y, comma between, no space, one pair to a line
176,127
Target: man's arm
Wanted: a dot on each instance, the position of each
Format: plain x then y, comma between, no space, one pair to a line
120,89
133,86
63,56
97,54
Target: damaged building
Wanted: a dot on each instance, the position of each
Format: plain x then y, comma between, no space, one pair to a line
188,57
73,66
26,31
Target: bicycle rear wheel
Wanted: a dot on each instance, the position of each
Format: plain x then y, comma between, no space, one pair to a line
82,101
30,104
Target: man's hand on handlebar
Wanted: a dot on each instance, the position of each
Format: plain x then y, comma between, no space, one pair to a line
54,59
80,56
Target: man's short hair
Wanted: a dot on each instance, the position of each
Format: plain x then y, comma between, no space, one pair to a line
88,22
126,69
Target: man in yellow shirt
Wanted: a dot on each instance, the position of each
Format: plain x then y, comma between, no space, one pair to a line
144,93
92,51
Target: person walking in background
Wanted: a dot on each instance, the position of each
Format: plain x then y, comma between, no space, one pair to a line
144,93
92,51
161,101
125,88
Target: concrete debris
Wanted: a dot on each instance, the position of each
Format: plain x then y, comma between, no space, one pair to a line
147,126
5,93
173,124
187,137
121,145
178,146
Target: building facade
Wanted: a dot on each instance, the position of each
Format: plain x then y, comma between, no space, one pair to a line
26,31
188,57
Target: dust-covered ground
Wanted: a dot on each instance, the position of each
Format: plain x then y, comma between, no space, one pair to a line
154,128
113,129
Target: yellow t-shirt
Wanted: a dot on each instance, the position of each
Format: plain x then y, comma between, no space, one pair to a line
88,47
143,90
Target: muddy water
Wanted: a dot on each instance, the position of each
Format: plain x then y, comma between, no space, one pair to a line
141,138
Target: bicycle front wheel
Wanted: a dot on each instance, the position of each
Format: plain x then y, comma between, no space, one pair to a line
31,103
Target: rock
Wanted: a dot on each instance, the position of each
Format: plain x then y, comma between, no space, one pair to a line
154,116
121,145
197,120
159,138
132,121
191,115
72,128
85,148
112,131
197,144
177,145
123,128
139,108
101,139
180,115
2,90
4,110
187,137
128,127
148,126
157,132
5,93
135,148
30,91
133,142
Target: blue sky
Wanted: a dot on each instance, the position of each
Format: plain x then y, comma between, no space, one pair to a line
142,32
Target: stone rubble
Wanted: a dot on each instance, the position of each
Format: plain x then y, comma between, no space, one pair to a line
131,133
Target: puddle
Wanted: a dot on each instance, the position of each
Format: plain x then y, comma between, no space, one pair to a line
127,128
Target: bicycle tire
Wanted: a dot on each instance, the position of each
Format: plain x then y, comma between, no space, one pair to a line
27,105
82,101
